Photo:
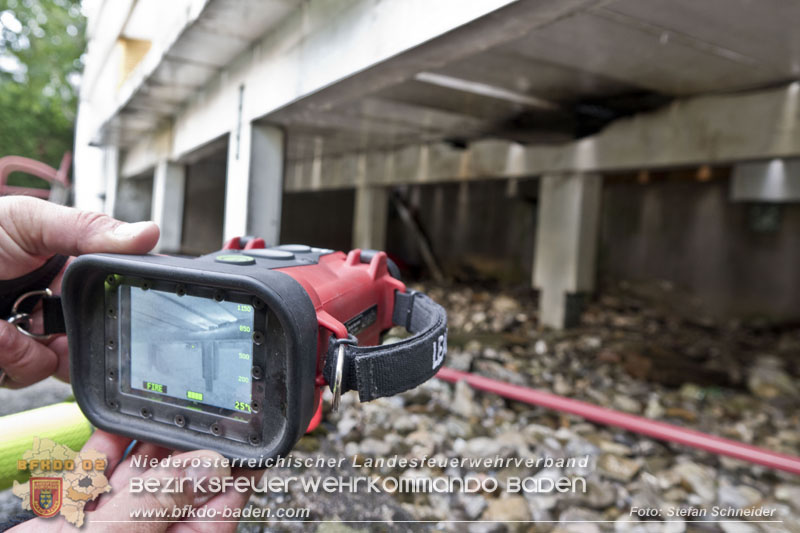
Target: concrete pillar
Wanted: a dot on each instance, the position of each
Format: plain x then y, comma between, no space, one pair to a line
254,185
369,218
566,245
112,177
169,182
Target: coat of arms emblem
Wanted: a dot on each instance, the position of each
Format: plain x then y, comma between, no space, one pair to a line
45,496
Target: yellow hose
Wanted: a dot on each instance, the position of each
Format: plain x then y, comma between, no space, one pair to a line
61,422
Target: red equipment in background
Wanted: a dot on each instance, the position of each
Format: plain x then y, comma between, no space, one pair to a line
57,178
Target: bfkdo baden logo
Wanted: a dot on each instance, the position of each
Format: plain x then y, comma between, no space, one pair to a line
62,480
45,495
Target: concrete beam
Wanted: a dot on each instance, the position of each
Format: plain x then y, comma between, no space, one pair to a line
566,245
254,185
146,154
718,129
369,218
169,184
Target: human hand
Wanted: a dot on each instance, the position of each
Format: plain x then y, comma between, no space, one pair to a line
31,231
112,511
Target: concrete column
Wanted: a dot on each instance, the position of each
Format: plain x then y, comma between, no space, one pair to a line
566,245
112,177
254,186
369,218
169,183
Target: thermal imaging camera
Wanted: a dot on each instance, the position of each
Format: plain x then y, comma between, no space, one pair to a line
230,351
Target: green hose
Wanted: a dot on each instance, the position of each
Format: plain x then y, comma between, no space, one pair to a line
62,422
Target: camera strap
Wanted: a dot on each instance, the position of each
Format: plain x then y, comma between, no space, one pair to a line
385,370
19,296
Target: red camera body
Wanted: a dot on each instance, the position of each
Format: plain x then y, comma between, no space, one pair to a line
353,294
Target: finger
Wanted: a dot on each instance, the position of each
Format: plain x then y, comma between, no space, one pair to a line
227,500
146,453
42,229
118,479
59,346
125,470
24,360
39,525
113,447
121,506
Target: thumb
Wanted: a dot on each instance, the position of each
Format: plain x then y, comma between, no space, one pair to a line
42,229
23,360
157,510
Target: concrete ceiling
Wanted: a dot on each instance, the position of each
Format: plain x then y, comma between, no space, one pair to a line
607,61
174,72
563,79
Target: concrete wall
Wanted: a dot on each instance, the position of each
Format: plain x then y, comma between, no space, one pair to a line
477,229
134,198
672,228
689,232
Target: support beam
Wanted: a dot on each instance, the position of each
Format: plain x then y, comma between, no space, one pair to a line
369,219
169,184
254,186
566,245
716,129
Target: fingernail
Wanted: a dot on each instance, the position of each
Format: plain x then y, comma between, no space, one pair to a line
130,231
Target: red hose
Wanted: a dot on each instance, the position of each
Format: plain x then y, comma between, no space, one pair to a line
636,424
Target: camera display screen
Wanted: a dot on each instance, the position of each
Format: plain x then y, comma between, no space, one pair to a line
195,349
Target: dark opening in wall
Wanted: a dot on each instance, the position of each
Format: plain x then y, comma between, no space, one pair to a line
322,219
204,204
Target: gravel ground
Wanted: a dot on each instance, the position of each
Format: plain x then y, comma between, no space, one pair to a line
640,349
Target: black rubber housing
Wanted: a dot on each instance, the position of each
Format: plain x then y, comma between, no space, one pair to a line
83,301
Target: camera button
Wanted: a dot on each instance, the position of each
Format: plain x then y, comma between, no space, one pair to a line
235,259
271,253
298,248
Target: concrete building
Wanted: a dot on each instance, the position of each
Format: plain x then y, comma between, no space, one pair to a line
558,140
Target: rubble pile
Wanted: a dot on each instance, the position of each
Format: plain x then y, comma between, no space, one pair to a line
633,352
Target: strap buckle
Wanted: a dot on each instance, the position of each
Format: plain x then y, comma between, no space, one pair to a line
336,388
22,320
337,379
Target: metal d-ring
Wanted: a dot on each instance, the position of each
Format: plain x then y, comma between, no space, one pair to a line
337,379
22,320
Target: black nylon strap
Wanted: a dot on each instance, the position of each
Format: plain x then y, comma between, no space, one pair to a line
53,315
40,278
378,371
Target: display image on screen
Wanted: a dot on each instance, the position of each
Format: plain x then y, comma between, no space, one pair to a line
191,348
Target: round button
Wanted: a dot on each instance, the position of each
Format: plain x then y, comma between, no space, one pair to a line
271,253
298,248
235,259
322,250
